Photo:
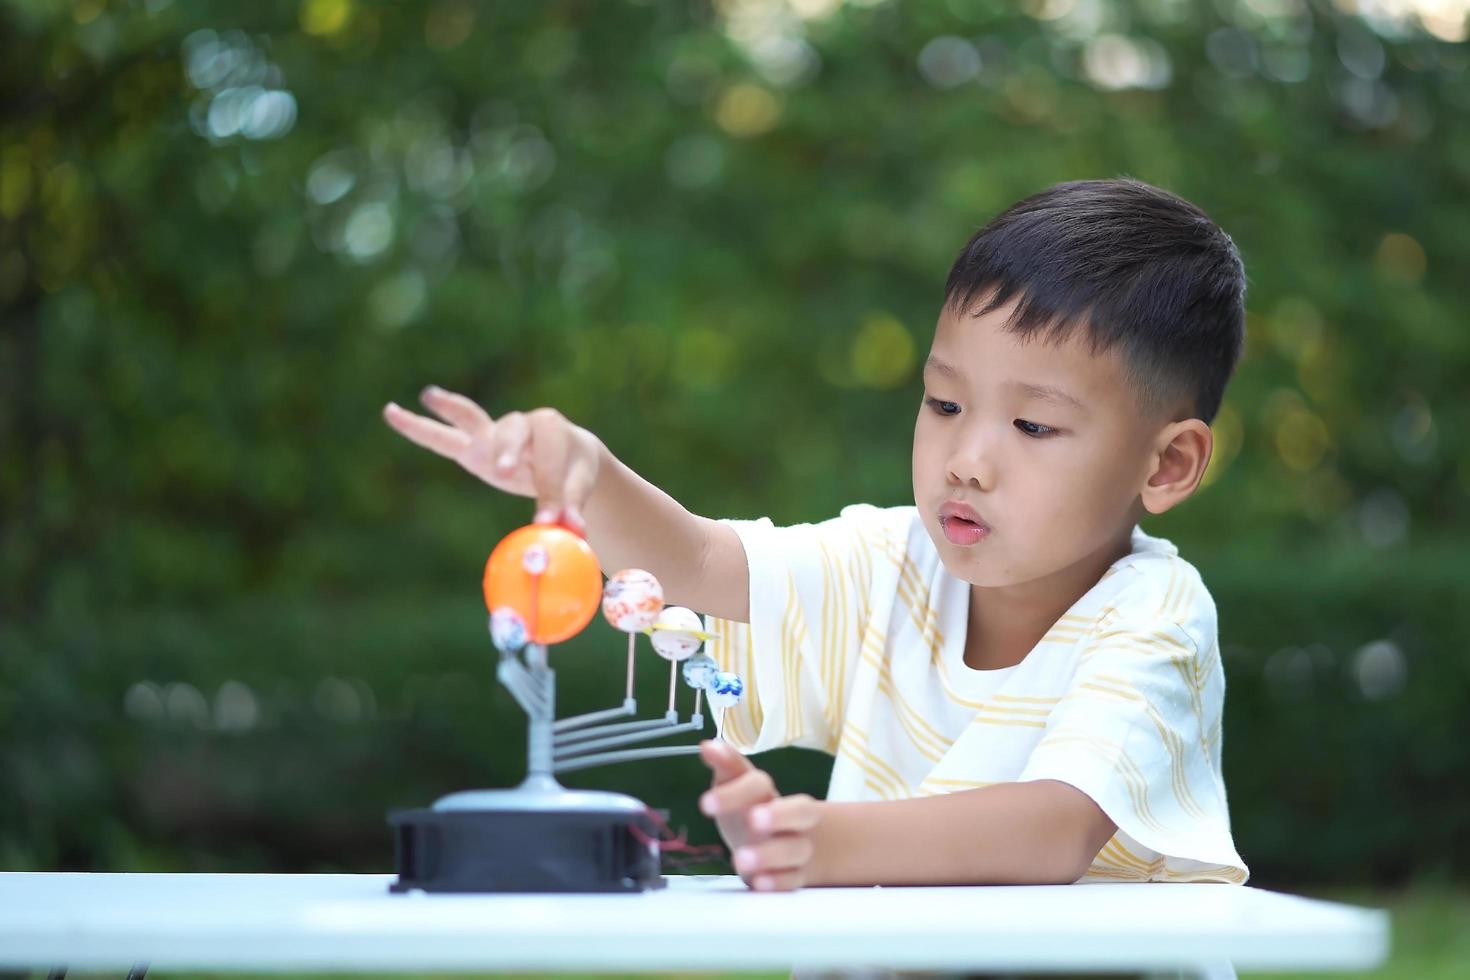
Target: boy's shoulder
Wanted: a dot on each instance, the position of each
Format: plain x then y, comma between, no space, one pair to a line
857,533
894,526
1154,586
898,531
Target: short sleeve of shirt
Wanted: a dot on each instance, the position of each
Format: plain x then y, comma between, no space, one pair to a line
810,608
1138,730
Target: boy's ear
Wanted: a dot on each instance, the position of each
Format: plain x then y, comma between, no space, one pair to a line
1177,463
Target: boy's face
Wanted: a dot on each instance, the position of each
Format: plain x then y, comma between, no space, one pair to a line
1045,442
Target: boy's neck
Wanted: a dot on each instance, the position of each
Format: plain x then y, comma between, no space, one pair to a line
1007,622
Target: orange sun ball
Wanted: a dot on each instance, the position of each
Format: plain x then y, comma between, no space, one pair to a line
567,592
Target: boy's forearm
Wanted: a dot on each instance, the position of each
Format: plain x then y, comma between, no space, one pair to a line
633,524
1042,832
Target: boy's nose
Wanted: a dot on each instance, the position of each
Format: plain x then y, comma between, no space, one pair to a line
972,466
973,460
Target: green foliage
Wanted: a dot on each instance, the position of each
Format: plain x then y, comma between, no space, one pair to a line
230,232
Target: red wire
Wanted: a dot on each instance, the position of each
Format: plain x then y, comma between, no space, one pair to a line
677,843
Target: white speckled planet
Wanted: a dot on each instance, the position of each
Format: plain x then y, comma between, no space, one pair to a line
678,634
633,602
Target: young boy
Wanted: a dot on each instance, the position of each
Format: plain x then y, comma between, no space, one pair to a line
1018,685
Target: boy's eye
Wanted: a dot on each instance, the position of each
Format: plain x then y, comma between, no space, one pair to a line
943,408
1034,429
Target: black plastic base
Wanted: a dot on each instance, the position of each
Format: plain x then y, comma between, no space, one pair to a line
550,849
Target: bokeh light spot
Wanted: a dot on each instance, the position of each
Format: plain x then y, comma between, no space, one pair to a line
330,178
449,24
186,705
1383,518
397,300
1401,257
324,18
783,59
86,11
1413,431
1229,434
1448,20
703,358
1302,439
1380,670
338,701
15,180
144,702
747,110
236,708
882,353
1294,326
369,231
814,9
947,62
1114,61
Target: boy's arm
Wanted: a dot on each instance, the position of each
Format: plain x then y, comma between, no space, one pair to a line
699,562
1041,832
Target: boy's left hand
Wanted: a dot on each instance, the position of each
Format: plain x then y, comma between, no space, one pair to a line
770,836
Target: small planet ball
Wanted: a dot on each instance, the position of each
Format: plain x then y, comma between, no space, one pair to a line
632,600
700,670
535,559
726,690
672,638
507,630
556,602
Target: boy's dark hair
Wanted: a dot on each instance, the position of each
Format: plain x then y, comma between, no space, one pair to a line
1134,266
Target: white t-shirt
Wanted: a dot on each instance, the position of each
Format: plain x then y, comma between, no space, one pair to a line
855,647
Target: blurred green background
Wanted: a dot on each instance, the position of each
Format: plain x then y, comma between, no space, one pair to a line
240,619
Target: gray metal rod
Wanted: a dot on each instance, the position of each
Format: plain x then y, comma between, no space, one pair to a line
531,699
519,687
578,721
570,738
522,687
630,755
634,738
539,754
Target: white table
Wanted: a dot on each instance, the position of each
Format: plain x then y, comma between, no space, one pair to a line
262,922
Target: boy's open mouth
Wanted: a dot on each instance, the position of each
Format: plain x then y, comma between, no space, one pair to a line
961,513
962,531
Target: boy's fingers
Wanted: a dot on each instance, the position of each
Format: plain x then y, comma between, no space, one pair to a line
778,881
724,761
738,794
457,409
581,475
549,460
436,436
785,815
508,442
773,854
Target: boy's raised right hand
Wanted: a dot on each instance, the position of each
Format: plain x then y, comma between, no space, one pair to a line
536,454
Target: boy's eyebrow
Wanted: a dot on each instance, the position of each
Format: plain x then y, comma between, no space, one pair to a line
941,367
1047,393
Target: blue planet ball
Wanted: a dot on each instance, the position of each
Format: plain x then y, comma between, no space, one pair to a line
726,690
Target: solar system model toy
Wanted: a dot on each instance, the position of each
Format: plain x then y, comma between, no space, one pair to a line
543,585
